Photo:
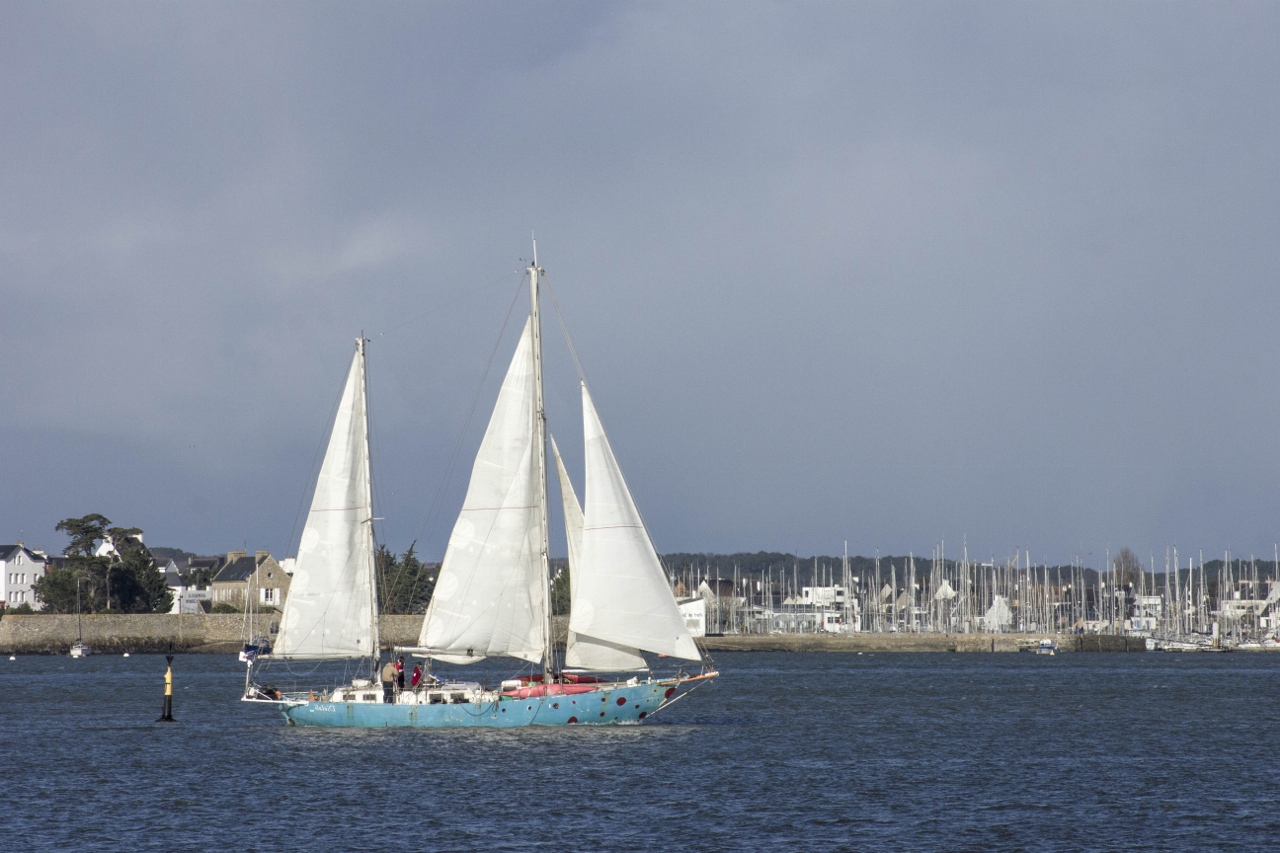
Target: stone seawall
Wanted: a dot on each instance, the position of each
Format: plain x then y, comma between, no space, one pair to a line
222,634
916,643
219,633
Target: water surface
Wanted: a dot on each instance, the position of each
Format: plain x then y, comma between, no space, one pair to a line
785,752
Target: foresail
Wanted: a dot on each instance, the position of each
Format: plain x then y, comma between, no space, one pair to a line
621,585
330,611
581,651
489,598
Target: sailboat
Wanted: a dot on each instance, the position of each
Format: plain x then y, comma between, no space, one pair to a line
79,649
492,598
254,643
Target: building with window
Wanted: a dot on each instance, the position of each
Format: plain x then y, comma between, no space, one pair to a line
20,567
260,576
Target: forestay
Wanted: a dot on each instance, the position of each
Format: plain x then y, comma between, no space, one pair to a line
581,651
489,598
622,595
330,611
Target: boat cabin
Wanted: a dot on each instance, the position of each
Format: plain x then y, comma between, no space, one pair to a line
452,693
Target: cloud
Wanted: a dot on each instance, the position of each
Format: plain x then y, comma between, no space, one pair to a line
887,273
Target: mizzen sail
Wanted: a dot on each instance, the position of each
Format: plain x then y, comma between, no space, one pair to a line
331,611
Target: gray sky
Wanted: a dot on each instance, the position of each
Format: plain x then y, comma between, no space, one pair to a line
884,272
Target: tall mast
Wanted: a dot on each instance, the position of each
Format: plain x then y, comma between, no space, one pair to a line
376,651
540,426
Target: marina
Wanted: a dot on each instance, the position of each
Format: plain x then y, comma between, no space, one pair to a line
1206,605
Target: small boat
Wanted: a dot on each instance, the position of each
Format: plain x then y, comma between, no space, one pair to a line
254,644
1180,645
250,651
492,597
1046,646
79,649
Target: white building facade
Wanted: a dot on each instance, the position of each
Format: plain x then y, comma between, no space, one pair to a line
20,568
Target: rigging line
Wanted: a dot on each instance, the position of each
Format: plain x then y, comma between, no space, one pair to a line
450,302
311,477
462,433
677,699
417,576
375,488
573,352
371,429
413,591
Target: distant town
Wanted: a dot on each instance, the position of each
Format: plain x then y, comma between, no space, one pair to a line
1188,604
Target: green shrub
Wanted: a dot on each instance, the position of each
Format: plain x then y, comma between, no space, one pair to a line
224,607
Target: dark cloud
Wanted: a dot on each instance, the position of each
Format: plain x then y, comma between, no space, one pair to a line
884,272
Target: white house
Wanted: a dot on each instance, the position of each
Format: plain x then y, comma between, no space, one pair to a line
108,549
823,596
20,567
186,599
1146,613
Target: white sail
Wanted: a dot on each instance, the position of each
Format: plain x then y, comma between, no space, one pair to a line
490,597
581,651
331,610
622,596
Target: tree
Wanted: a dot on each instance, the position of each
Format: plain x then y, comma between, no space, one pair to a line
1128,568
123,580
560,592
57,589
405,584
143,587
202,577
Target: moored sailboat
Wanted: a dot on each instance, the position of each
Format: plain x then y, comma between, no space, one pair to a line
493,596
79,649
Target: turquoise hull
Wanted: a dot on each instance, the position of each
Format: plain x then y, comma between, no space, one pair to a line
612,704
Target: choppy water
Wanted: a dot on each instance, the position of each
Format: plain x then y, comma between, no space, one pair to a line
784,752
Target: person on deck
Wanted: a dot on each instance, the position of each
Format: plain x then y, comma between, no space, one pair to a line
388,680
400,672
417,676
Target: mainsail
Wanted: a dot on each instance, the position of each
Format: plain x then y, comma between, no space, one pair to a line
490,597
621,594
581,651
331,609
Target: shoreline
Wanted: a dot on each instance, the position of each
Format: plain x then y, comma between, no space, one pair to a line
158,633
966,643
222,634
